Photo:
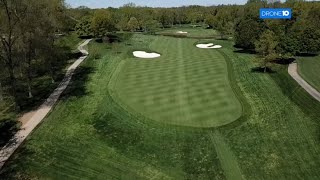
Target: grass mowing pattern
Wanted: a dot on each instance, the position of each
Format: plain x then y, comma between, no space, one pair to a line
186,86
279,138
89,136
308,68
197,32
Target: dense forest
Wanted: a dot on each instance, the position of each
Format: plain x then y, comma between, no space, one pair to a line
33,56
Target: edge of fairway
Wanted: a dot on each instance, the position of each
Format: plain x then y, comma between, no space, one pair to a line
245,106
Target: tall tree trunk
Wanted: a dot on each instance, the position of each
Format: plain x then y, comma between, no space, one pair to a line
9,52
29,71
13,85
1,93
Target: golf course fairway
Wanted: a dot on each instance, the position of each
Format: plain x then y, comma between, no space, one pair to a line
189,114
186,86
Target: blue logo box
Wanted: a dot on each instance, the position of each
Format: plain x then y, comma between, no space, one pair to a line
275,13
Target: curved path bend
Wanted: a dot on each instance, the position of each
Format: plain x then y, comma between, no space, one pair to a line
293,71
42,111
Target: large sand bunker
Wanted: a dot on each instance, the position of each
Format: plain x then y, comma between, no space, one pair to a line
143,54
208,46
182,32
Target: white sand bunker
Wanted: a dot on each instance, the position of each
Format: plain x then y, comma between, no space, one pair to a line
208,46
182,32
143,54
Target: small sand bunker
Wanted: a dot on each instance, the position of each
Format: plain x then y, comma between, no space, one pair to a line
143,54
182,32
208,46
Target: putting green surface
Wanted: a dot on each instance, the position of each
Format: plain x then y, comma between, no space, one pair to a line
309,68
186,86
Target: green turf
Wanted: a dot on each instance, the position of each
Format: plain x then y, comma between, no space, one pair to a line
197,32
70,40
91,136
279,136
309,68
186,86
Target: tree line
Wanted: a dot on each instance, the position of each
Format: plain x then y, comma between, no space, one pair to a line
271,39
28,50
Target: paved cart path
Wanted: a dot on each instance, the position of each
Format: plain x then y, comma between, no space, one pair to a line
42,111
293,71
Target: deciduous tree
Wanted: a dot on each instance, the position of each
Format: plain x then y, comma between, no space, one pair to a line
133,24
266,48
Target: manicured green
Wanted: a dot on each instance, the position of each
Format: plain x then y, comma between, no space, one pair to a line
197,32
92,135
309,69
186,86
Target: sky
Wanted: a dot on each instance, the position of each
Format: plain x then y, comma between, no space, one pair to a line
150,3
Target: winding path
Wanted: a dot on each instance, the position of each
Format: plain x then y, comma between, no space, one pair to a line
42,111
293,71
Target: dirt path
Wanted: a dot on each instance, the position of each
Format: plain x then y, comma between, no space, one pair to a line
293,71
42,111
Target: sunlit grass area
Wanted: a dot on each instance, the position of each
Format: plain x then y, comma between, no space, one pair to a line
108,124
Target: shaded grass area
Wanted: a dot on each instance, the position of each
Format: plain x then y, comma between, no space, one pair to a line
42,86
70,40
92,137
309,69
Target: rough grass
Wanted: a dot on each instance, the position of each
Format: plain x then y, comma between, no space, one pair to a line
309,69
90,136
280,136
70,40
186,86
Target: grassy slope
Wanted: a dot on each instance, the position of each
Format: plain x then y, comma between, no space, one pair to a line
185,86
90,136
308,68
70,40
279,137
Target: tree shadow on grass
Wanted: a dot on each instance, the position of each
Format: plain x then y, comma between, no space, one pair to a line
284,61
8,128
77,85
17,162
262,70
245,51
307,54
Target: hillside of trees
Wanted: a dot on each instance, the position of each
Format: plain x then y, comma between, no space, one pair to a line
32,57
